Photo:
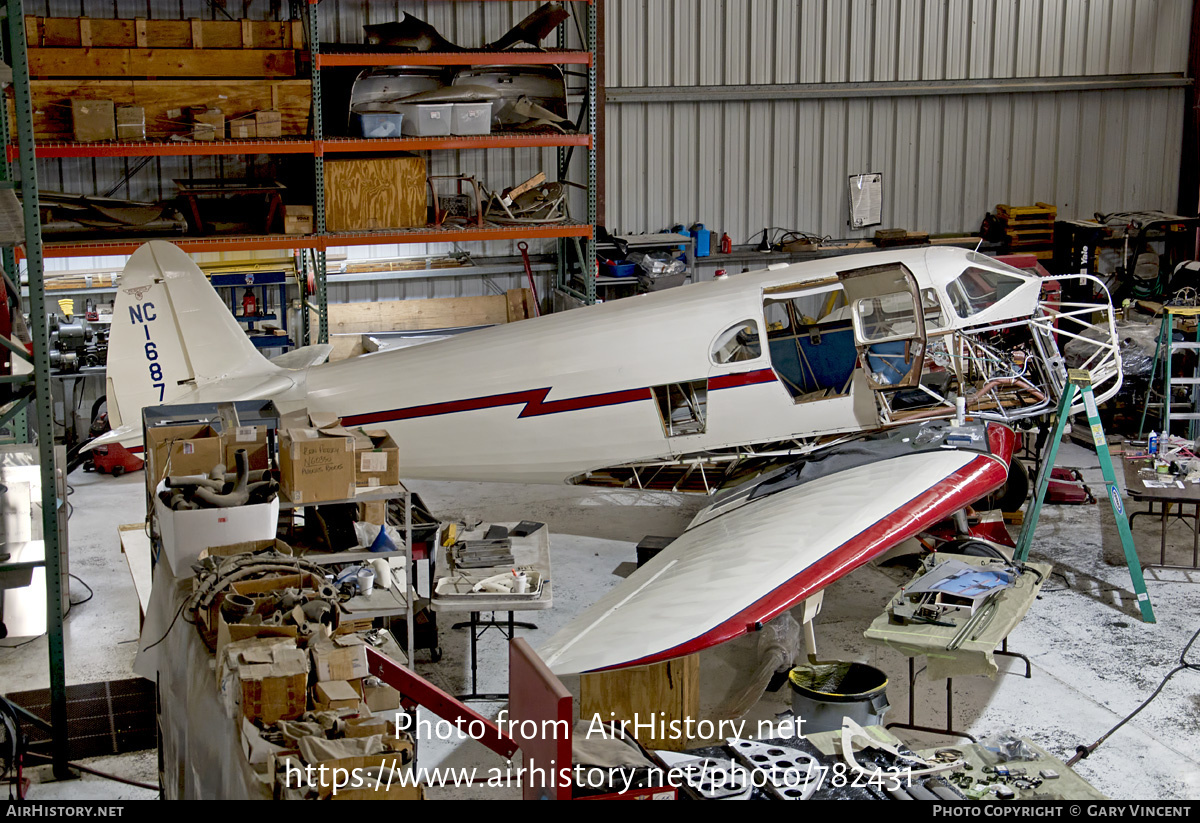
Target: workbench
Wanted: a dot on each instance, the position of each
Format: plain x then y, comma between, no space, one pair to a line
1175,492
452,594
975,655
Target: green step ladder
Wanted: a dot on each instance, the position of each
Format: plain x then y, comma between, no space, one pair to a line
1079,381
1164,351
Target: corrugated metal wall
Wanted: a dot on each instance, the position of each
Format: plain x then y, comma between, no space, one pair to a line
946,160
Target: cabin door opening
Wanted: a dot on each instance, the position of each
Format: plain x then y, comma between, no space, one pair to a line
810,338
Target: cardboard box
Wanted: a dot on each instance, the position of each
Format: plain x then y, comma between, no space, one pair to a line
373,511
208,125
268,123
298,220
380,697
181,450
131,123
244,128
251,438
335,694
233,632
93,120
380,464
316,466
187,533
390,789
270,677
339,658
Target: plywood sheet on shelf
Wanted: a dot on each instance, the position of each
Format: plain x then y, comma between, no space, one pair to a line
365,194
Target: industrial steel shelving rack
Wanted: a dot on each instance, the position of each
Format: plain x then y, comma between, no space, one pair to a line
34,388
313,247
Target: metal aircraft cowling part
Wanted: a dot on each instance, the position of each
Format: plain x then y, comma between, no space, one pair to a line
751,559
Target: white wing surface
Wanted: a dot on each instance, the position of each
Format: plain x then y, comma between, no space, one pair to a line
743,563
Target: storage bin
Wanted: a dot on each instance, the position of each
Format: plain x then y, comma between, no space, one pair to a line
379,124
471,118
426,119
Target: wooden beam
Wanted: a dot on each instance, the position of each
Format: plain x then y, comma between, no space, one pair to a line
68,62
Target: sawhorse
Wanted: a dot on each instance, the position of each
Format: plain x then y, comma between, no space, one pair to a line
1079,382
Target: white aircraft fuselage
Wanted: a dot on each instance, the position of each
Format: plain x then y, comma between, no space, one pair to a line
636,390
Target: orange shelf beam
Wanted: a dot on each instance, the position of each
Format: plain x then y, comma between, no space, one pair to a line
430,234
521,57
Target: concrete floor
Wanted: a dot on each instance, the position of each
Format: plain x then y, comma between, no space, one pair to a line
1093,659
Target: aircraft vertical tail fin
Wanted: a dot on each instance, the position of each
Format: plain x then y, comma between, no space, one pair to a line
171,334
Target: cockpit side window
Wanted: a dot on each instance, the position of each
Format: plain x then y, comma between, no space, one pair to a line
978,289
737,344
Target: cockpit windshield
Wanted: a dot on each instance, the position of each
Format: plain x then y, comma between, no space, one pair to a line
978,289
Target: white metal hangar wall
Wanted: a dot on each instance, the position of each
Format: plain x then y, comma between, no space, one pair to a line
743,114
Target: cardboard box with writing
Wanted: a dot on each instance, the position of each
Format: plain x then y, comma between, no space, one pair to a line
181,450
93,120
251,438
267,677
378,465
339,658
298,219
316,466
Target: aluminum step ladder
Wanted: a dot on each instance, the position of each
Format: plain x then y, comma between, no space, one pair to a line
1164,351
1079,382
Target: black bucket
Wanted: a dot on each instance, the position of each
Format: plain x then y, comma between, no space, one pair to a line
825,693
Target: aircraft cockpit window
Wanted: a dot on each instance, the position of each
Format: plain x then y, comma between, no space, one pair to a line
979,289
887,316
737,344
932,307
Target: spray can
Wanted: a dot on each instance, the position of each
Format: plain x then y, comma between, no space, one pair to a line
1152,446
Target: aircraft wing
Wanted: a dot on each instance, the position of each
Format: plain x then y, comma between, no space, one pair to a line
763,549
304,356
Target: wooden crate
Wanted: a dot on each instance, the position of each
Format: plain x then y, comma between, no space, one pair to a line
95,32
166,102
349,323
672,688
118,62
375,193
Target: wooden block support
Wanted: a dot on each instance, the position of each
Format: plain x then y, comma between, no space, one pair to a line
375,193
140,32
659,693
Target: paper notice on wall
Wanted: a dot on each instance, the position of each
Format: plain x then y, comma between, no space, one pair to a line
866,200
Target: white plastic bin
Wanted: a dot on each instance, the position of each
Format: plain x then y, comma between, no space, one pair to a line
426,119
471,118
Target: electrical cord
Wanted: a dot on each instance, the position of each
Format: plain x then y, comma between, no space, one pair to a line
91,593
1082,752
174,620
